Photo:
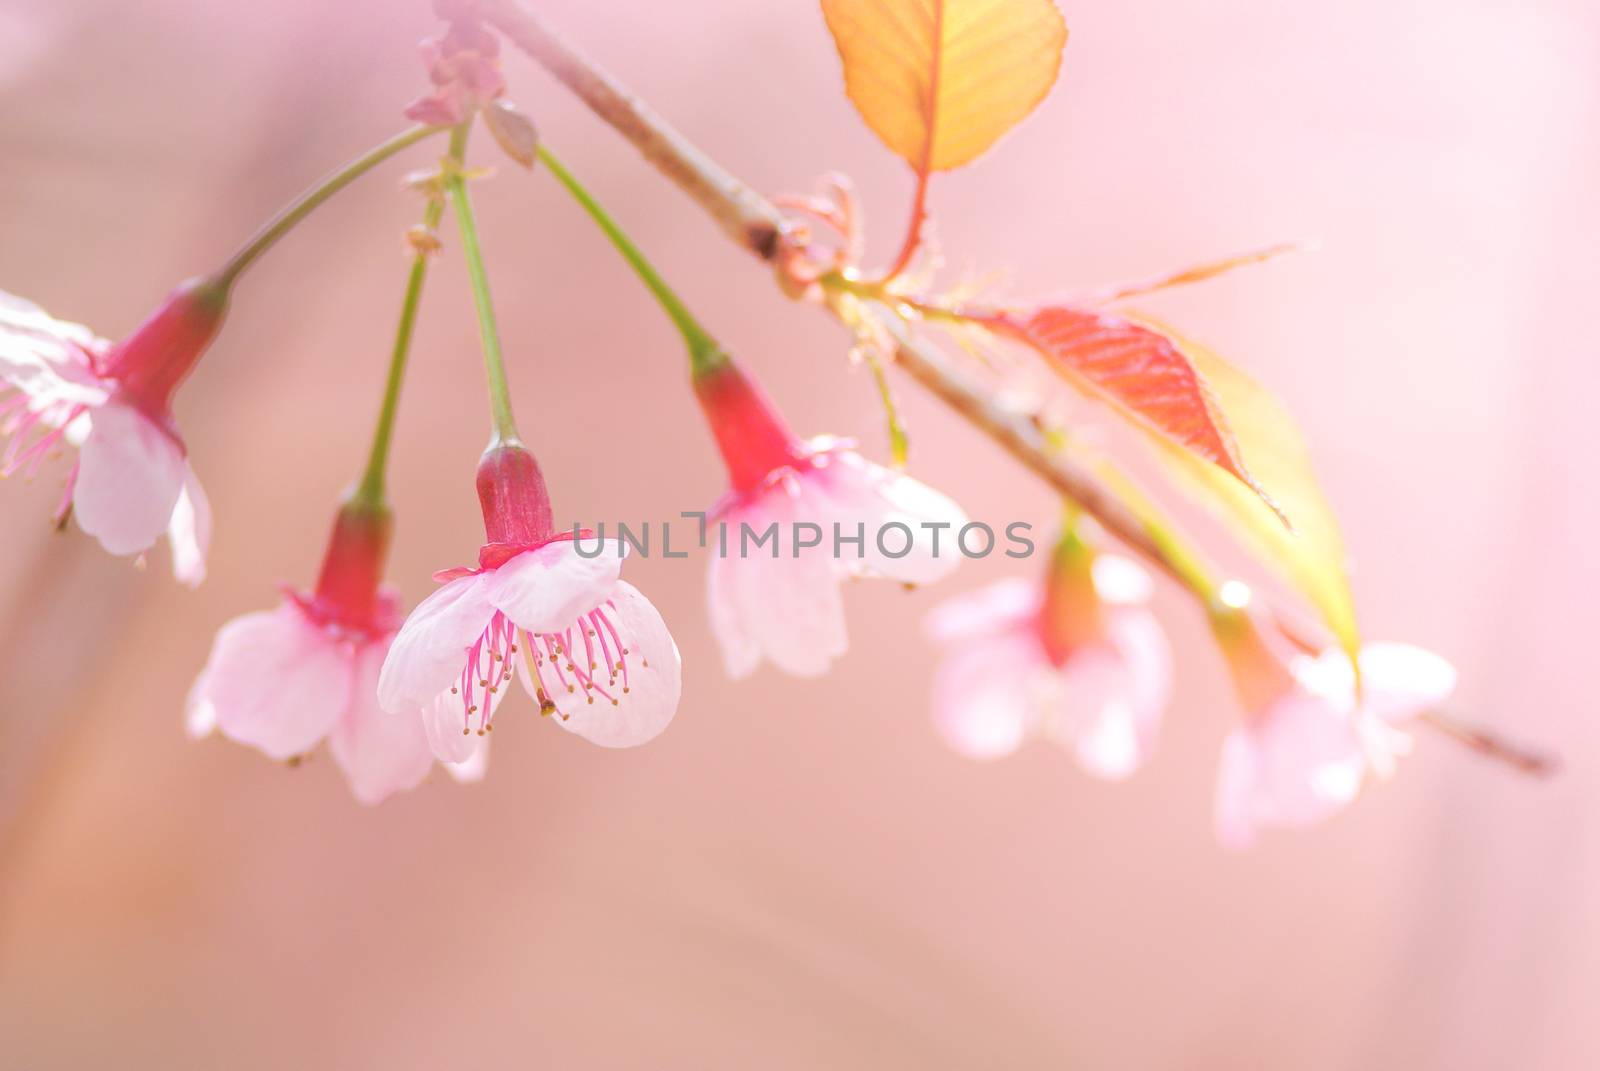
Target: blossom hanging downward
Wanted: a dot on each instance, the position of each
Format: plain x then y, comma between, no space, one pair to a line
285,679
781,600
1078,660
132,480
1307,742
587,646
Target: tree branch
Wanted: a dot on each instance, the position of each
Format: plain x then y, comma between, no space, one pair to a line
757,225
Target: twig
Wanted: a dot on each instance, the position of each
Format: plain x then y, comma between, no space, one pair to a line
744,215
757,225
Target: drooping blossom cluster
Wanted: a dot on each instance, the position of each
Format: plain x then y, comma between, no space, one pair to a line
1073,655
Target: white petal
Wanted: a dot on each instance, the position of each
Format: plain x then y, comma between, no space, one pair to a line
189,531
1400,681
471,769
853,490
546,589
451,731
430,651
47,358
199,717
130,475
1121,581
654,679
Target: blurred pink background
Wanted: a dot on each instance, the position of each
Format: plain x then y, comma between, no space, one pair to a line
797,875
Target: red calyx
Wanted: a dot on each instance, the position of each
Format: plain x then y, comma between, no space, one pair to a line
1069,616
511,490
151,363
349,588
751,433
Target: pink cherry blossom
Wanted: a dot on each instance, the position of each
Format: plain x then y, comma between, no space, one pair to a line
284,680
781,601
1307,743
132,481
1093,675
587,646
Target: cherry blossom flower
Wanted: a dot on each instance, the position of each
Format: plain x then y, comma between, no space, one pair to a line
591,650
781,600
284,680
1079,660
132,481
1307,742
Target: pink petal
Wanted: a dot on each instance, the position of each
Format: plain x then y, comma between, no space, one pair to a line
655,679
189,532
1113,695
993,608
854,490
380,753
130,476
546,589
1297,764
1237,774
985,694
741,654
788,608
430,650
275,681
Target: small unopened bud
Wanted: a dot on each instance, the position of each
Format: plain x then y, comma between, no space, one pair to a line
423,240
514,132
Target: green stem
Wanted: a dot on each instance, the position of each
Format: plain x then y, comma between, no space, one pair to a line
705,355
303,206
494,365
371,492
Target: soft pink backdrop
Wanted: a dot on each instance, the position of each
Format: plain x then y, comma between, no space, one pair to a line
796,875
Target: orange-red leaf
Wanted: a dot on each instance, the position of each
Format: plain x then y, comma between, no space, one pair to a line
1144,374
941,80
1310,557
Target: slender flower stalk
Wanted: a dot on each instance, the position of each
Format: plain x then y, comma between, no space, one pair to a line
372,489
284,680
306,203
494,366
705,355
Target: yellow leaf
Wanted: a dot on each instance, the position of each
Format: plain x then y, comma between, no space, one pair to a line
1309,556
941,80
